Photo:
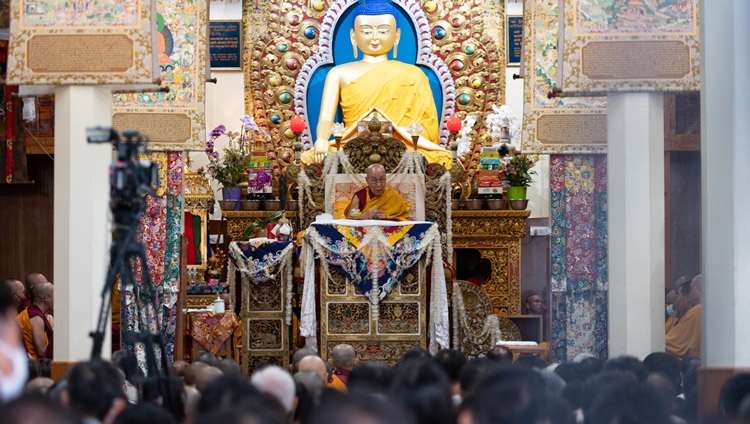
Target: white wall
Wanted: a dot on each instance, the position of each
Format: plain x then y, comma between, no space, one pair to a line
225,104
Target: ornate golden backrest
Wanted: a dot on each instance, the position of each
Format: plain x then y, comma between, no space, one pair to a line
475,328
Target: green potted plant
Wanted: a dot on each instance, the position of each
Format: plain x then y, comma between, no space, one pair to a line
517,172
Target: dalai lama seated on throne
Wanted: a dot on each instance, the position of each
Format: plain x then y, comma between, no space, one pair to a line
378,200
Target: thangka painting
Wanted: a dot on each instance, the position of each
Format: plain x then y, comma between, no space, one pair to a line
629,45
173,119
81,42
466,38
558,124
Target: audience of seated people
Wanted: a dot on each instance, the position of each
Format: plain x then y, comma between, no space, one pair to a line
423,389
446,388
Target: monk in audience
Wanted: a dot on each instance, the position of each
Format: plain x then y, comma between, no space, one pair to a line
18,294
36,328
684,337
343,359
378,200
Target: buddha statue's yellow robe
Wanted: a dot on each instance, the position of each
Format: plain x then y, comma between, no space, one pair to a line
402,93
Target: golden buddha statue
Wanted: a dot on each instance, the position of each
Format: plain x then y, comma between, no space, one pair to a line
400,91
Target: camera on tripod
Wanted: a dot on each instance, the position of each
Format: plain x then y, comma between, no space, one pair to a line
129,177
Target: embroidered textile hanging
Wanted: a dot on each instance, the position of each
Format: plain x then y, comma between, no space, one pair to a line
374,255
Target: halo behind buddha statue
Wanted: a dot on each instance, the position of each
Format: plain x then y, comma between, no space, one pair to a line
415,47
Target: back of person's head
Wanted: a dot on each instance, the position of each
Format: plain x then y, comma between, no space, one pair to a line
500,354
230,367
208,358
531,361
554,410
471,372
592,365
34,409
39,385
733,392
626,401
343,356
205,376
423,388
192,371
94,387
573,393
277,382
355,408
507,394
415,352
225,391
169,392
245,411
7,305
145,413
627,364
312,383
451,361
666,364
298,355
571,371
554,383
177,367
306,402
663,388
371,377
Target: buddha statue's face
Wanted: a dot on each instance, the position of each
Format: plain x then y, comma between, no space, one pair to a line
375,35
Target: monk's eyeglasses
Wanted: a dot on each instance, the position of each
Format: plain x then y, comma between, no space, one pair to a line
376,180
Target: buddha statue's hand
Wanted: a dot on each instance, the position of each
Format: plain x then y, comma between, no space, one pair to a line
320,149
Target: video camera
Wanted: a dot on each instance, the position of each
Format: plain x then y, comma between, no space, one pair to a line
130,179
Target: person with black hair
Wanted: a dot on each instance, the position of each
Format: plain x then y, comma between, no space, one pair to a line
451,361
500,354
370,378
357,408
145,413
95,390
415,352
422,388
733,392
230,399
34,409
627,364
666,364
506,394
619,398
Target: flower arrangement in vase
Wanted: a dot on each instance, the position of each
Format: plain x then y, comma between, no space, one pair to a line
230,169
517,175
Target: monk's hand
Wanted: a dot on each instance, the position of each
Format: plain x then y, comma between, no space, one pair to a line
373,214
320,149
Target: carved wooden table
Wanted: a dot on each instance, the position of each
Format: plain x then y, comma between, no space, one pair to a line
496,235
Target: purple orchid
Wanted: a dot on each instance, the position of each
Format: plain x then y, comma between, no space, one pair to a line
216,132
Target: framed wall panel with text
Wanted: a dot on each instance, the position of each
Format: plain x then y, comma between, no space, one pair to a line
225,45
514,40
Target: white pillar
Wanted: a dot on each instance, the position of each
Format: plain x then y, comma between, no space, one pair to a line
725,180
81,223
635,178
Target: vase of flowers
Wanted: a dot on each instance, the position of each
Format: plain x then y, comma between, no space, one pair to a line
517,172
230,168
